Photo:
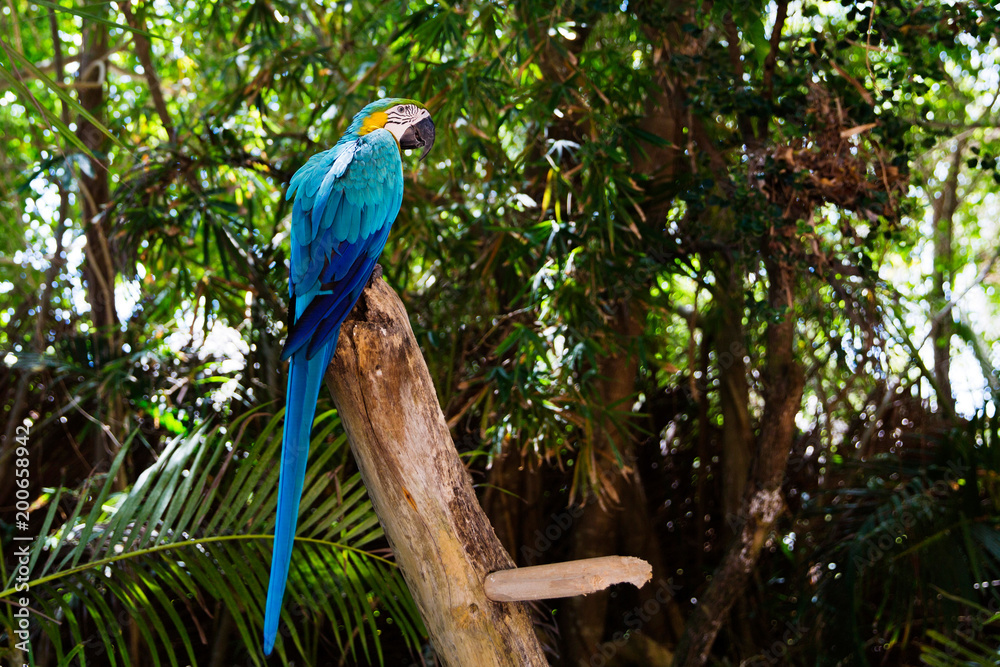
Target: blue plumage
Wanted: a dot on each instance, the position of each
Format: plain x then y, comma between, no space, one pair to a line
345,201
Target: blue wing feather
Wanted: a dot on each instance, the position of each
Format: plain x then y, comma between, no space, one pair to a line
336,316
345,201
349,253
332,206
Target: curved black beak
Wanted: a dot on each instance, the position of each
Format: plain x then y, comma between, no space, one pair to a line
419,135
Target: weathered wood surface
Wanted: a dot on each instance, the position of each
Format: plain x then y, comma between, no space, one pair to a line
442,540
562,580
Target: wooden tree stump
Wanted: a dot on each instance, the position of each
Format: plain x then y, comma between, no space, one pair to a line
443,542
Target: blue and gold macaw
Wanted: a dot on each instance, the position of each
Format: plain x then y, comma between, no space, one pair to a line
346,200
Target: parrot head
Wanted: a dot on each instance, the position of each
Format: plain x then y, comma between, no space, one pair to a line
408,120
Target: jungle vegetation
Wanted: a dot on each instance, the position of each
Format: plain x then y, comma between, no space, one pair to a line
709,283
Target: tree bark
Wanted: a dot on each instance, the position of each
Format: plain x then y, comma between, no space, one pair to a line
99,270
784,381
423,495
944,207
734,394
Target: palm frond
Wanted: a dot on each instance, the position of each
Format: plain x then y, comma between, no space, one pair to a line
915,559
191,538
958,649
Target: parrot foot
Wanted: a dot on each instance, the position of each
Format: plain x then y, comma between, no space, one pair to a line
376,274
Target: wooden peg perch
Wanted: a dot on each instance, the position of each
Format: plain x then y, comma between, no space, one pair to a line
562,580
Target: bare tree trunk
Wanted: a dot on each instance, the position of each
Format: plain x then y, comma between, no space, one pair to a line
763,502
423,495
734,404
98,270
734,395
944,207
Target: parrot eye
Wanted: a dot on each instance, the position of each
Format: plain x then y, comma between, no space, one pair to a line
404,113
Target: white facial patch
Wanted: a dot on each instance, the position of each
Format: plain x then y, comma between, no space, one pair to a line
403,116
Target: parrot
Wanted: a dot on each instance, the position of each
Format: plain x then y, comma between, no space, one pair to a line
345,201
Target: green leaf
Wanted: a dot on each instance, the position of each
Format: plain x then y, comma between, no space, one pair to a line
47,116
97,19
65,97
151,552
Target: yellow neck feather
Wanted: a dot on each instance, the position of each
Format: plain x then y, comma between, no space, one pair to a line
375,121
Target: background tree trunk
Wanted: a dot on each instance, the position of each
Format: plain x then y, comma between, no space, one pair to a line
763,501
944,207
734,395
99,270
422,493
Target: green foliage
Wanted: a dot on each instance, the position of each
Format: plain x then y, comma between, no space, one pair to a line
611,190
919,544
191,539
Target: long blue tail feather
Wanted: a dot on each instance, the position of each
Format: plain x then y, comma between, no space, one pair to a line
304,379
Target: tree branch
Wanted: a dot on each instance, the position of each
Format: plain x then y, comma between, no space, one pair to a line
143,52
772,55
736,60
